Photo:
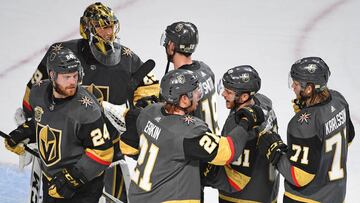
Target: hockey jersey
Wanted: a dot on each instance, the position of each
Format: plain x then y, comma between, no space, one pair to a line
250,178
315,165
170,149
70,132
206,110
107,83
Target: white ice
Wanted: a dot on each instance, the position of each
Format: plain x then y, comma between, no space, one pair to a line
269,35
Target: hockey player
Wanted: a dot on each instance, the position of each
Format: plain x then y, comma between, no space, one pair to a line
180,40
318,136
250,178
68,125
172,142
108,67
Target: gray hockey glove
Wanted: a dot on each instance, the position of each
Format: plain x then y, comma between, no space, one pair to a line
66,183
249,117
272,147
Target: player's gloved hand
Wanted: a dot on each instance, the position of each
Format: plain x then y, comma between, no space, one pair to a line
19,136
131,117
249,117
145,101
272,147
297,105
66,182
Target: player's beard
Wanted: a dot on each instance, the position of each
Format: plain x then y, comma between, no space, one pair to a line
66,91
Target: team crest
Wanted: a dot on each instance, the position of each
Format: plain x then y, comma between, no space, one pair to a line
245,77
304,117
188,119
101,93
38,113
311,68
49,141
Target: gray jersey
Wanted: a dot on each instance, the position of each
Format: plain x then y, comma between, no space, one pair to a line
250,177
315,165
70,132
170,149
206,109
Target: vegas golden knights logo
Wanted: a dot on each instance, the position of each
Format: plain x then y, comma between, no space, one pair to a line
101,93
38,112
49,141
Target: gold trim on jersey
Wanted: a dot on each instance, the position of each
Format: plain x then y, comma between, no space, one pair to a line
147,90
27,95
127,149
300,199
101,93
224,152
302,177
104,155
241,180
49,141
183,201
236,200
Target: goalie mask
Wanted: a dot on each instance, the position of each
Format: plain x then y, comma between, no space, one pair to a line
100,27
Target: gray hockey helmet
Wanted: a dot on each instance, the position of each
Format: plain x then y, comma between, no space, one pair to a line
311,70
176,83
242,79
184,35
63,60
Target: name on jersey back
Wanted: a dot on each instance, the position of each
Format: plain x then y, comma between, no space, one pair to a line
152,130
335,122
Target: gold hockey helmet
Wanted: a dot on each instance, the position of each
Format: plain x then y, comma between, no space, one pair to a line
95,16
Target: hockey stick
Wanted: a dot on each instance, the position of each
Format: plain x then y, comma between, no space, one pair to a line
110,197
137,77
28,149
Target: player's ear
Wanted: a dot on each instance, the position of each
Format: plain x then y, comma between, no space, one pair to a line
309,89
170,48
51,75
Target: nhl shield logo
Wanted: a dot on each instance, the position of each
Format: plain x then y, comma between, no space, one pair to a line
49,141
38,112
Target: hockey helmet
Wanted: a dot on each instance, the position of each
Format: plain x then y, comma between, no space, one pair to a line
184,35
63,60
242,79
310,70
176,83
98,15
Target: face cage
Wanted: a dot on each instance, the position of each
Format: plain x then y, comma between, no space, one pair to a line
96,24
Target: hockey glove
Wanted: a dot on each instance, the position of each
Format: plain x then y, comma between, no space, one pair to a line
297,105
272,147
20,135
249,117
66,183
145,101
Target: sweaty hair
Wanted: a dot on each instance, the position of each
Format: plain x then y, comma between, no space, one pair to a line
317,97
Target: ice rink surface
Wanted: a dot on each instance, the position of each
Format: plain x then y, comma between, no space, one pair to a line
269,35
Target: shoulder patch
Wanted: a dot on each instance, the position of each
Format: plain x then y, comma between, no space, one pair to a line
126,51
56,47
304,117
188,119
85,100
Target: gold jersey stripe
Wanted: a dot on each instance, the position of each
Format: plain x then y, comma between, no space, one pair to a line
235,200
224,152
302,177
104,155
147,90
239,179
183,201
127,149
300,199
